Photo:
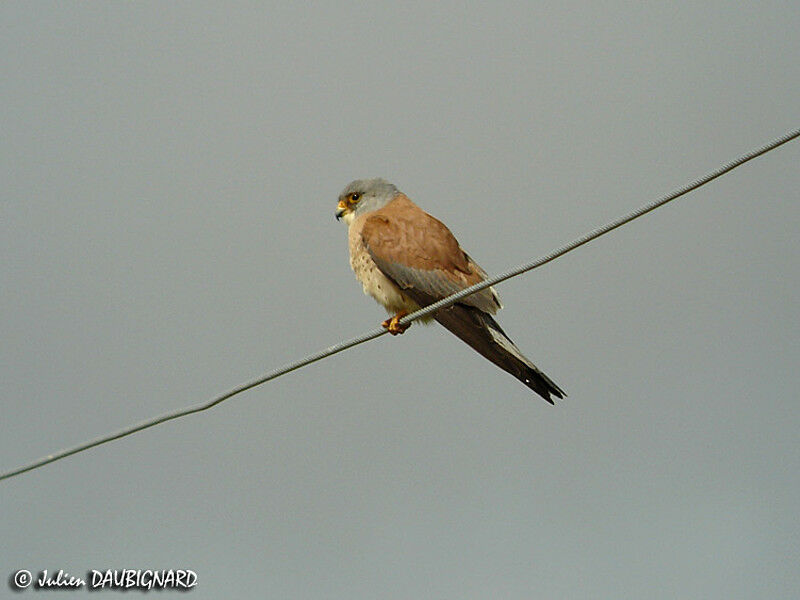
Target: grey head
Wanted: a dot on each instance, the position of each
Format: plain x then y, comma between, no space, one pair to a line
363,196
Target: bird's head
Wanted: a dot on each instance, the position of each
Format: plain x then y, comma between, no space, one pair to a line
363,196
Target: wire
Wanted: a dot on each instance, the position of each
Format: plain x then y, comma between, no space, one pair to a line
445,302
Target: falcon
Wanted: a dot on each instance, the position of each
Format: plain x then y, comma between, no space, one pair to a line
407,259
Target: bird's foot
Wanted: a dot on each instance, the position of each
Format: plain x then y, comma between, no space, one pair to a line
393,325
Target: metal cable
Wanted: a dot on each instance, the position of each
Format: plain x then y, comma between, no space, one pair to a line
335,349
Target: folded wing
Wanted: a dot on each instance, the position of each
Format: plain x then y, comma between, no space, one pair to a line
422,257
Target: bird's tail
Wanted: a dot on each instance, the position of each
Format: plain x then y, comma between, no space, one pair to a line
481,331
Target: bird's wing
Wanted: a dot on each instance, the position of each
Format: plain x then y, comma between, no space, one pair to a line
421,256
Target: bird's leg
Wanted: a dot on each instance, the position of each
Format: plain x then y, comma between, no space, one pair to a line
393,325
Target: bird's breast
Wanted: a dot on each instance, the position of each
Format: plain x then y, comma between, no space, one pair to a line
374,282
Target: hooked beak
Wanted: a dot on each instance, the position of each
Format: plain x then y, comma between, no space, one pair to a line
341,208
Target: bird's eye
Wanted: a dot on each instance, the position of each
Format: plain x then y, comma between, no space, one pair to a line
354,197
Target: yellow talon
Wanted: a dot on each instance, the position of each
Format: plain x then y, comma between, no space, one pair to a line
393,325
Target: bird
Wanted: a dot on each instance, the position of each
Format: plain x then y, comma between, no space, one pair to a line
406,259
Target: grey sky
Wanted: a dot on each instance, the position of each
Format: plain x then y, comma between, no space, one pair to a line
170,173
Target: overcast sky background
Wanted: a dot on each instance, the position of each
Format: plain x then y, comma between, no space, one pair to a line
170,174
